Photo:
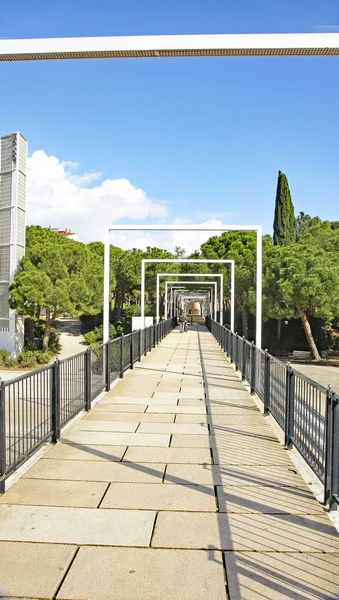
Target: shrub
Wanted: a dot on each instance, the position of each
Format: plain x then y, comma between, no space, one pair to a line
27,359
43,357
95,337
4,355
31,358
10,362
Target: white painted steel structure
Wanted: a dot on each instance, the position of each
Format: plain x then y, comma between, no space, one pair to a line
220,228
213,297
155,46
197,261
192,297
219,275
197,284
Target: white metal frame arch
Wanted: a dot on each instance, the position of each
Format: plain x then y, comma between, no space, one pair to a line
199,297
146,227
219,275
155,46
210,285
145,261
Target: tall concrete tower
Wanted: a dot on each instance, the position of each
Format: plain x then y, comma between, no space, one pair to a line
13,159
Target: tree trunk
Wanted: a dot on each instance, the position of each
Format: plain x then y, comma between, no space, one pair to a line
279,331
309,335
244,319
47,332
30,325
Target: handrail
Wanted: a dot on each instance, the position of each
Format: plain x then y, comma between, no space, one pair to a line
36,405
307,412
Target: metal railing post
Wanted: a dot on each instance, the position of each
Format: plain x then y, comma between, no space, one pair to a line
145,341
140,338
131,358
55,412
2,437
243,358
267,383
87,357
253,365
121,356
236,351
331,492
289,415
107,351
154,334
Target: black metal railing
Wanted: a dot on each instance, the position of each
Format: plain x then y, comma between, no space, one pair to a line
307,412
35,406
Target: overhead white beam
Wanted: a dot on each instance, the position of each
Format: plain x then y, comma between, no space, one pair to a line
155,46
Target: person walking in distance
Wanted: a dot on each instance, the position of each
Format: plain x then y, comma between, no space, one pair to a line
182,321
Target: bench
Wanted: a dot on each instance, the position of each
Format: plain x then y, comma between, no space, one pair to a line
300,355
306,355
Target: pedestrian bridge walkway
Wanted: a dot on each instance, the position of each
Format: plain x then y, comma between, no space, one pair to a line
174,487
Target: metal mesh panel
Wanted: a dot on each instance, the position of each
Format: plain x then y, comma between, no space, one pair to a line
97,371
5,226
309,400
21,190
21,223
28,415
5,191
8,144
278,391
4,308
259,382
5,253
72,386
114,354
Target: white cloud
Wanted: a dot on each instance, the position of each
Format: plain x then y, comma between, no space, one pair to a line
190,240
59,197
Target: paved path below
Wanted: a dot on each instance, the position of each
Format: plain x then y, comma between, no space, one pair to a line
173,487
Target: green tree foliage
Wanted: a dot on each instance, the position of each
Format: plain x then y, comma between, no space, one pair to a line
284,226
241,247
302,279
57,275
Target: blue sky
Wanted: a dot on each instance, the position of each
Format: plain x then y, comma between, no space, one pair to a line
204,136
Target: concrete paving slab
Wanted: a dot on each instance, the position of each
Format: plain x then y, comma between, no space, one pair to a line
55,493
275,476
147,417
201,531
223,454
21,574
268,500
277,576
184,428
94,471
118,439
235,409
265,533
191,418
154,408
116,407
190,441
144,574
160,497
115,426
148,401
81,526
168,455
64,451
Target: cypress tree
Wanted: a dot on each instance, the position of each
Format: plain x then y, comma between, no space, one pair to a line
284,226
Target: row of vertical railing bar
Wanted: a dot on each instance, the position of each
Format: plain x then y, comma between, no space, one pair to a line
307,412
35,406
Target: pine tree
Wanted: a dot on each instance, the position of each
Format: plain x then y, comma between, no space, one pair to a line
284,226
